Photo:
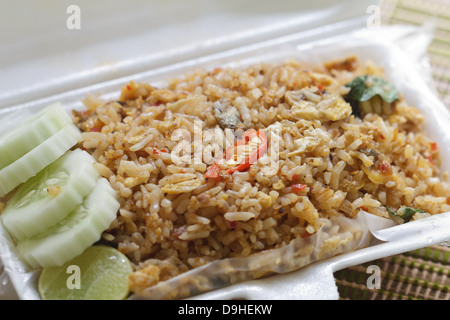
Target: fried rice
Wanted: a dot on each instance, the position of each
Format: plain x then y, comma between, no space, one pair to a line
329,162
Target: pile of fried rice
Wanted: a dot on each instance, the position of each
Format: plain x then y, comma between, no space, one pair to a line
181,212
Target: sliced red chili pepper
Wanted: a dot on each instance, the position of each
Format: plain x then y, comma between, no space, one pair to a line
213,172
254,156
384,167
230,154
298,187
434,146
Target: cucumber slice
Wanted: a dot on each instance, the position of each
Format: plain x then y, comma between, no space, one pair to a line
37,159
49,196
35,130
75,233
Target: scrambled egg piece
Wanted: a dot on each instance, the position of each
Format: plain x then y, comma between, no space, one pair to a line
310,106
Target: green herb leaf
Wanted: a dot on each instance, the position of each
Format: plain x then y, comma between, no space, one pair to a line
394,216
406,214
380,87
365,87
357,87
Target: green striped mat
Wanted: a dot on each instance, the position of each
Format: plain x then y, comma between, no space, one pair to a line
422,274
417,12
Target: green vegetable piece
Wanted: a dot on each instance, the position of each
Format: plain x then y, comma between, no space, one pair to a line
363,88
30,134
80,229
49,196
357,87
394,216
405,216
36,160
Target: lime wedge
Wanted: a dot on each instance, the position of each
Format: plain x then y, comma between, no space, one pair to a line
99,273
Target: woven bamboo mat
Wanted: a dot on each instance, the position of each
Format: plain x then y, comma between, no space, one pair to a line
417,12
422,274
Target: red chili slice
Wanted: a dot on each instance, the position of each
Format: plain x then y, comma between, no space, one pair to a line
254,156
213,171
434,146
298,187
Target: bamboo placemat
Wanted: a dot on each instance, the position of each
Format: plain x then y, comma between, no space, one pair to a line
422,274
417,12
